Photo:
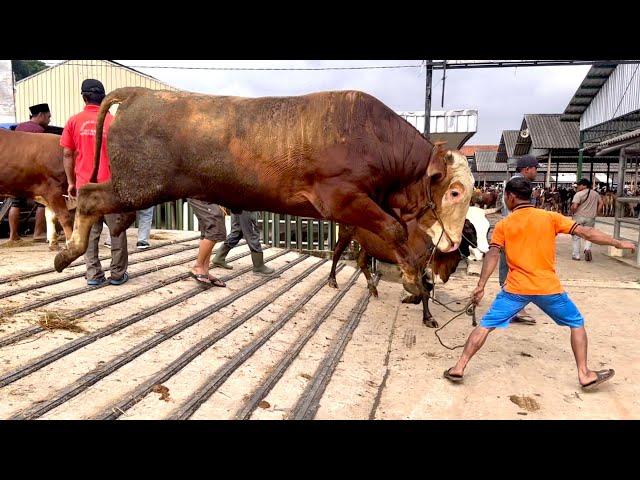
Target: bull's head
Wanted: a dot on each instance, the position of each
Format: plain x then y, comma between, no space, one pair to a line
451,187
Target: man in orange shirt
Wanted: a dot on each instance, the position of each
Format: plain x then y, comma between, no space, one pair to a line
528,237
79,140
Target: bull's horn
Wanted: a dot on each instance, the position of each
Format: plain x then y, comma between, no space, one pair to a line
449,158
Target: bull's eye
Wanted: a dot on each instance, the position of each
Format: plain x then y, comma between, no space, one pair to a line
454,194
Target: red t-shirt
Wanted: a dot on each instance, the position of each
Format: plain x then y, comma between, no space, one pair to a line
29,126
79,135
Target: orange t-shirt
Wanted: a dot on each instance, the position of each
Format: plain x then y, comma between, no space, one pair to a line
528,237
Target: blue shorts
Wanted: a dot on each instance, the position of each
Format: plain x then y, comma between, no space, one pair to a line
506,305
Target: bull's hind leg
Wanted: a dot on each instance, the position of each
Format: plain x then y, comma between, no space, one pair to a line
94,201
363,260
344,237
427,318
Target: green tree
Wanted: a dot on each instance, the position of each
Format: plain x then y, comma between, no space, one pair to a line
26,68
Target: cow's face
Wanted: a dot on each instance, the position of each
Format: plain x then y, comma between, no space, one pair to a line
451,193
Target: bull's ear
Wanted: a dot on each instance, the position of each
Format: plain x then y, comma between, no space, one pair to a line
437,168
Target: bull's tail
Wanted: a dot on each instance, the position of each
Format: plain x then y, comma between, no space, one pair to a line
117,96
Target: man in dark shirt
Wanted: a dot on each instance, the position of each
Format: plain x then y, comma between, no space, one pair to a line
37,123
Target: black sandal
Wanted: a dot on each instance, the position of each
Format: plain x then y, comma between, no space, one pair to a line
602,376
216,282
202,279
451,377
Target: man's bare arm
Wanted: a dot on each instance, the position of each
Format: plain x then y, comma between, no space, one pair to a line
489,265
600,238
69,161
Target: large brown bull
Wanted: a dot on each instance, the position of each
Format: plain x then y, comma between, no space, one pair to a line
31,167
342,156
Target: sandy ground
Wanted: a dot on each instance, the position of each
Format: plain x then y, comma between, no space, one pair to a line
391,368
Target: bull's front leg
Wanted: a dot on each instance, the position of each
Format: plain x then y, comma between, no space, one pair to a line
427,318
344,237
52,235
94,201
363,264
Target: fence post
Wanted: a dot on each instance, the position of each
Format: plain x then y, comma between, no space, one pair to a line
287,232
276,230
320,235
332,236
310,234
299,233
179,214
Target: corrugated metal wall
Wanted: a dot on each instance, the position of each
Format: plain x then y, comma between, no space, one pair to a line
7,111
444,122
59,86
618,96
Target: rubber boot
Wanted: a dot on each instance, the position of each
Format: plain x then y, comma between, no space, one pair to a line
220,256
258,264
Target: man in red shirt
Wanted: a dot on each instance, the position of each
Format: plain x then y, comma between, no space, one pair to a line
38,121
78,140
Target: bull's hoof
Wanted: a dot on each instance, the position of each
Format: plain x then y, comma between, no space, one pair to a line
430,322
54,247
332,282
373,290
415,299
62,260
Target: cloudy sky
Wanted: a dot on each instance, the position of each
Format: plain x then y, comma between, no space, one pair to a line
501,96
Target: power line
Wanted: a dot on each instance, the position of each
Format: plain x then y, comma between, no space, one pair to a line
370,67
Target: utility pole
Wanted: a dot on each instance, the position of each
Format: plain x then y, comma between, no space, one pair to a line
427,100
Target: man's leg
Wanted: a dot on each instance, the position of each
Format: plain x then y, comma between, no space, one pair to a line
472,345
91,259
211,222
523,316
40,228
119,249
564,312
231,241
575,254
201,265
503,308
145,218
249,224
14,224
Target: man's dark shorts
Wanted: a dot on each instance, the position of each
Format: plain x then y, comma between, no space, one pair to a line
21,203
210,220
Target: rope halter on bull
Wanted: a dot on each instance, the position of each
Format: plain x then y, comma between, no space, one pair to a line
470,307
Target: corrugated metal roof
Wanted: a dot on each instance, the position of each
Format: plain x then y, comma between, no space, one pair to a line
507,145
620,138
546,131
486,162
588,89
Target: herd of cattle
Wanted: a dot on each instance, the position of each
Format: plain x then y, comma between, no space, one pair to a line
340,156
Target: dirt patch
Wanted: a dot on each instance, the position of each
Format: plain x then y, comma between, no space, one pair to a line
55,321
264,404
17,243
528,403
162,390
159,236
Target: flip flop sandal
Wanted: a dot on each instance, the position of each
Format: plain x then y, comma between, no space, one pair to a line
526,319
451,377
602,376
202,279
216,282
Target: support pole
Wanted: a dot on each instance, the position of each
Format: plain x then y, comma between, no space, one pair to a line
579,171
547,183
427,100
